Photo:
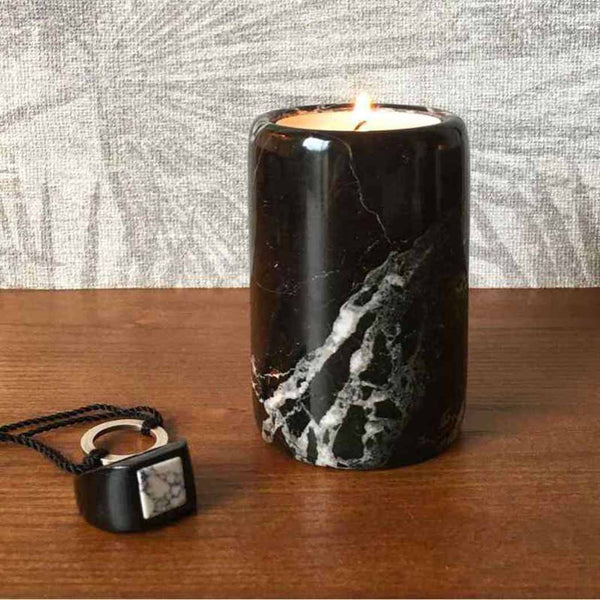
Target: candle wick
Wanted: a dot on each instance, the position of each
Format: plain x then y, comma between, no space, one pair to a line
359,125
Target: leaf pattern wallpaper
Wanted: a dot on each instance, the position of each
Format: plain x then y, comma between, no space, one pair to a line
124,124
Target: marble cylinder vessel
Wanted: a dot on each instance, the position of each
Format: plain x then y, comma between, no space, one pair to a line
359,290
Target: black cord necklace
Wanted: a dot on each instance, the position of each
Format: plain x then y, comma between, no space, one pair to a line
118,493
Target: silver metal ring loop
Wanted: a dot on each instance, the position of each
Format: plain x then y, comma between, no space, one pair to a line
161,437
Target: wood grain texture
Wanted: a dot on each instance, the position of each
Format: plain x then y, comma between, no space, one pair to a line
513,509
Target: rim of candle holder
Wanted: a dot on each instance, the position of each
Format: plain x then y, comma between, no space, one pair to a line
270,120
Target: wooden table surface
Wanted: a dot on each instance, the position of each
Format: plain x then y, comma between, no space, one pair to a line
512,509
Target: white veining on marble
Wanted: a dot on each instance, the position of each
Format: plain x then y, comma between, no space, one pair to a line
162,487
361,196
384,298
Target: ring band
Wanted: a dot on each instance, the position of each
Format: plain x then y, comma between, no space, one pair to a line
161,437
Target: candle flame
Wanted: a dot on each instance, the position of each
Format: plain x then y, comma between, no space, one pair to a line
362,109
363,103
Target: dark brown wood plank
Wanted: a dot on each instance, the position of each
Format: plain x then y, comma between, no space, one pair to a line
513,509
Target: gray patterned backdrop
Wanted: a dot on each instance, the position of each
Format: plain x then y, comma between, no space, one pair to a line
123,127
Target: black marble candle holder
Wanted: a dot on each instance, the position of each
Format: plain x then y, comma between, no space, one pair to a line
359,289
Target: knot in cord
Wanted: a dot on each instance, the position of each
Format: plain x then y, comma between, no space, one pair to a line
150,423
94,459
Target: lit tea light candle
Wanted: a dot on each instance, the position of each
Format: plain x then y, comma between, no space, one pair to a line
363,117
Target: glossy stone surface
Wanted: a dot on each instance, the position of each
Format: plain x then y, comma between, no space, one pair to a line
359,291
162,487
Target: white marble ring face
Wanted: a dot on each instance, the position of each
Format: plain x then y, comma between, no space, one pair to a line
162,487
